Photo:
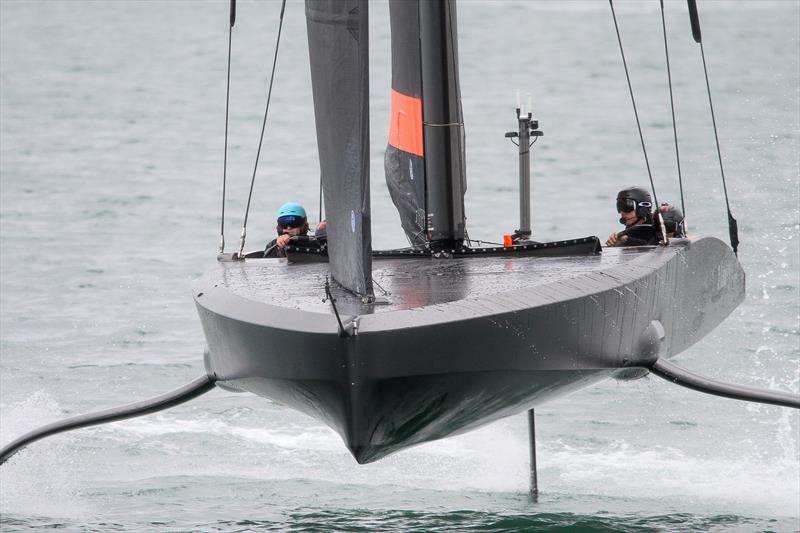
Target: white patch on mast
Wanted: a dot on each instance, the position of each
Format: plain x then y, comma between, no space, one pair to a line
411,169
353,221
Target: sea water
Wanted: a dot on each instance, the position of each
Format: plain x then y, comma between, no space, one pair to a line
112,120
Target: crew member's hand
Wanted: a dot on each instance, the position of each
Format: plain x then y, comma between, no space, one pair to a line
615,240
283,240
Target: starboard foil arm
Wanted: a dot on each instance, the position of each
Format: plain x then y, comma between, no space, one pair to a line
675,374
175,397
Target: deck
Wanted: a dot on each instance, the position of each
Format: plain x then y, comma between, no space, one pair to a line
402,284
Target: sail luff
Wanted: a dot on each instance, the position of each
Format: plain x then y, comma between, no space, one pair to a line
338,42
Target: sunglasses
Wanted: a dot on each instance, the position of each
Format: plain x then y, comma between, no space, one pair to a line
291,221
626,205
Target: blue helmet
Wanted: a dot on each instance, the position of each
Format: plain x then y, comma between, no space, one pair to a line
293,209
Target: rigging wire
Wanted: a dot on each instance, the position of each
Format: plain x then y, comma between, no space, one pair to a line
674,126
638,124
263,128
733,228
227,107
488,242
329,298
385,292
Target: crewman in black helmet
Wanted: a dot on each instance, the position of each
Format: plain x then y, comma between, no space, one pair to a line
673,222
635,206
321,233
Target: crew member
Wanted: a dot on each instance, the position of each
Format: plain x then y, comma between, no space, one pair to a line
673,221
321,233
292,222
634,205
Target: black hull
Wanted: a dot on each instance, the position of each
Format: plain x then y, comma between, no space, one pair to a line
419,373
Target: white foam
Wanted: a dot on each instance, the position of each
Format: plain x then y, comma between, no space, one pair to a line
318,438
495,458
760,485
492,459
42,478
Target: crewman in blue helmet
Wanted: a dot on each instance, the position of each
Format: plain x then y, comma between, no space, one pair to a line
292,222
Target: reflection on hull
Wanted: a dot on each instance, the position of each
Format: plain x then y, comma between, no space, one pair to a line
380,417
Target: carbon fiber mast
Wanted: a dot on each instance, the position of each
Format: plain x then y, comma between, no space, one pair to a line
443,125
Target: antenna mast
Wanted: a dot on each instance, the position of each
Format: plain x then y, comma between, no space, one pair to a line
527,127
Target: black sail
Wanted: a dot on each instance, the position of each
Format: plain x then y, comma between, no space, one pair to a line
404,164
338,42
425,163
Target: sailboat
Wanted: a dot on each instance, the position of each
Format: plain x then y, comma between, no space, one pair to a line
460,336
456,335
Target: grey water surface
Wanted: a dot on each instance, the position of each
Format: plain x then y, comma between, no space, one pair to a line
112,118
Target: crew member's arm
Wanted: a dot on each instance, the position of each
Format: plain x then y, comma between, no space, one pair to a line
638,235
615,239
271,250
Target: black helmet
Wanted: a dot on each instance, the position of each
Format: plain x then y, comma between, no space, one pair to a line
673,219
635,198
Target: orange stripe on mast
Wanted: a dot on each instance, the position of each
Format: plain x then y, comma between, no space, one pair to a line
405,124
